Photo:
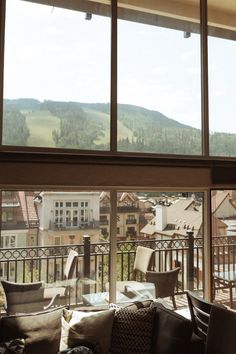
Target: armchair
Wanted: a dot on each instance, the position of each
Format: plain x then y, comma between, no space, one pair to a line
165,283
134,289
26,297
65,287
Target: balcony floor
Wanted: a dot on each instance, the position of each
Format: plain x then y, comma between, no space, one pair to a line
222,297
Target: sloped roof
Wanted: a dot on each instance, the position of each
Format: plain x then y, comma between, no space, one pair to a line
127,195
182,216
218,199
104,195
121,196
28,207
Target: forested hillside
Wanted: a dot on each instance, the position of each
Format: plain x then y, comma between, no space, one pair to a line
29,122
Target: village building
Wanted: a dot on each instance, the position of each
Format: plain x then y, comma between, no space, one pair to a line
19,227
65,217
128,215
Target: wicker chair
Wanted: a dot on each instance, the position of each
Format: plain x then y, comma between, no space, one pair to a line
144,260
39,296
165,283
26,297
63,289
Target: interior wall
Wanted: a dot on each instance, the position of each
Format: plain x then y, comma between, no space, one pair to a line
103,175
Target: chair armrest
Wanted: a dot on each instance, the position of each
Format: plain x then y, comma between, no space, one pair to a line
54,302
62,283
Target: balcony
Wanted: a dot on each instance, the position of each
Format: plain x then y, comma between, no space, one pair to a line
104,222
131,221
120,209
66,227
31,264
128,209
131,233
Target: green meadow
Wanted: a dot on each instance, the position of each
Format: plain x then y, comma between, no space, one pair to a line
41,124
104,119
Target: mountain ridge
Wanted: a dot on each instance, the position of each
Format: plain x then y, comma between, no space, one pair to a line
86,126
154,115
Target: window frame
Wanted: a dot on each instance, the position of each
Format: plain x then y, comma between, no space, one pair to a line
205,29
113,97
215,172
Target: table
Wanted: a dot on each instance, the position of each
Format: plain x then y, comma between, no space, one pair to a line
227,278
134,291
144,290
102,298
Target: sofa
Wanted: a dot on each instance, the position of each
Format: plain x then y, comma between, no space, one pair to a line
141,328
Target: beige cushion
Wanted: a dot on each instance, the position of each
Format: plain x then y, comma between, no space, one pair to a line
143,259
79,326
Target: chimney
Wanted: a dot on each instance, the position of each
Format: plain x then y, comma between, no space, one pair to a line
161,217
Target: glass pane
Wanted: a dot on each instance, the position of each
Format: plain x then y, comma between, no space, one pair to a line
36,246
56,76
169,228
222,78
223,246
159,108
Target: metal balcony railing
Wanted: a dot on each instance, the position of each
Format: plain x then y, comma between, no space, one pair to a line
131,221
29,264
104,222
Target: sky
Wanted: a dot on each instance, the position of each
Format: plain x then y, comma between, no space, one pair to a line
56,54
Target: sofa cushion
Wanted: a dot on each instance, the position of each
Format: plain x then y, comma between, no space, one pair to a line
197,344
221,337
136,305
132,331
79,326
41,331
133,305
172,332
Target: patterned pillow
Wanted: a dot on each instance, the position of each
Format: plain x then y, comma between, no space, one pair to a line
85,347
77,350
15,346
132,331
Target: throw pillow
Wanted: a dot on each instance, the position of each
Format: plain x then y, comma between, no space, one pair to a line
77,350
171,331
132,331
79,326
136,305
41,331
90,348
14,346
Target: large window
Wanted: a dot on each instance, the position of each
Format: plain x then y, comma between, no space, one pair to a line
170,224
222,81
105,95
72,214
48,225
56,80
159,108
67,85
223,246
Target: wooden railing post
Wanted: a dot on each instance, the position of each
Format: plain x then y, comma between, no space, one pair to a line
86,239
190,261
